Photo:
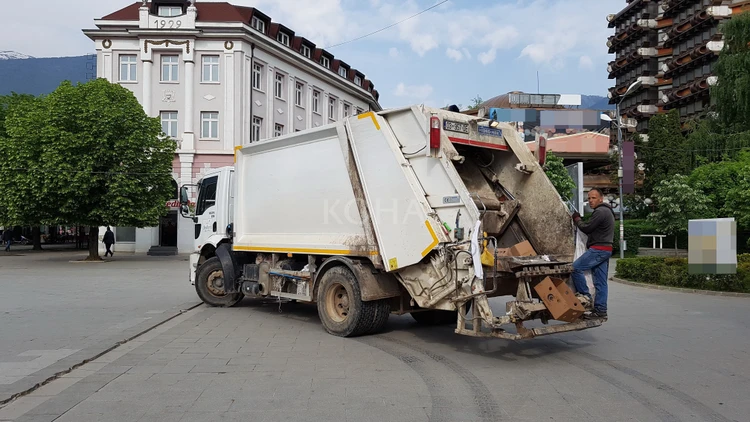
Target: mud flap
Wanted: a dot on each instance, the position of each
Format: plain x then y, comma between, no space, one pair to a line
229,267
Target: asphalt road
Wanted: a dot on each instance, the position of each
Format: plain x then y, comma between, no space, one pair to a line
662,356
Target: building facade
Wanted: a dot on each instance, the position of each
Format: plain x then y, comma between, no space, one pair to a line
671,47
219,76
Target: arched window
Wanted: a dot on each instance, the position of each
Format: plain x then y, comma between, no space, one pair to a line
175,190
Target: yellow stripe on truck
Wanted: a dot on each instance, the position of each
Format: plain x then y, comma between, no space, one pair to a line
371,115
435,240
237,148
298,250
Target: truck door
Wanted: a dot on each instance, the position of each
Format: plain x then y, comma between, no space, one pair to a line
205,210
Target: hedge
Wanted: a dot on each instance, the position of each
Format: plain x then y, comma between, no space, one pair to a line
674,272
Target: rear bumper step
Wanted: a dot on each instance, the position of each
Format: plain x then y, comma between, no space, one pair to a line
525,333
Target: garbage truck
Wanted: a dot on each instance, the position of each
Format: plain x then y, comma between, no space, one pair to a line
410,210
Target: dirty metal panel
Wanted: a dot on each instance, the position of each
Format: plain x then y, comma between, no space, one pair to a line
543,215
398,208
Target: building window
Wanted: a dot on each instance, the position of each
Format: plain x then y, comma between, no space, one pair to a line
258,24
347,110
278,130
169,11
283,38
257,127
326,62
305,50
278,89
332,108
125,234
316,102
169,123
170,66
210,68
258,76
210,125
299,93
342,72
358,80
128,68
359,111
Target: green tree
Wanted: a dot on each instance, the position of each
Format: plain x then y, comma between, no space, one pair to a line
676,203
559,176
95,156
475,102
726,185
664,155
20,201
732,94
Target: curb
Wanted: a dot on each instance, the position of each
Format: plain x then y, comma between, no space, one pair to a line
679,289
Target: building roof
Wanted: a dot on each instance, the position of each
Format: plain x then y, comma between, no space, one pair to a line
581,145
227,12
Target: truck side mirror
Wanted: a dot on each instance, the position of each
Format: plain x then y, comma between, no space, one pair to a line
184,200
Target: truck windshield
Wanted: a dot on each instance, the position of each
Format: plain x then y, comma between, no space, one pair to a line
206,194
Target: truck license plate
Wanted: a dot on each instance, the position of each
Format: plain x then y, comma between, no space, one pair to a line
455,126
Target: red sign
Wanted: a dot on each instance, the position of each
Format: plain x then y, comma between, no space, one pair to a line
176,204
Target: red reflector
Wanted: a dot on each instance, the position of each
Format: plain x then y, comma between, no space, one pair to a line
542,150
434,132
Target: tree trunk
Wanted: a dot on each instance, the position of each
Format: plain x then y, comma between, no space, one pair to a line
94,244
36,238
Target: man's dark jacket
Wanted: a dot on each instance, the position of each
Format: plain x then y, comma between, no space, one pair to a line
600,228
109,237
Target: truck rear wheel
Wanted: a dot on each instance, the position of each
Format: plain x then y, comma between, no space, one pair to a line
340,305
209,284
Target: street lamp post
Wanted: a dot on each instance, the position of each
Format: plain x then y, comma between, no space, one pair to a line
634,86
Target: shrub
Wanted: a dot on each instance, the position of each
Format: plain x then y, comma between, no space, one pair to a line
674,272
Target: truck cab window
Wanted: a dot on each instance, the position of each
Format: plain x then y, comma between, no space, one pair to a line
206,195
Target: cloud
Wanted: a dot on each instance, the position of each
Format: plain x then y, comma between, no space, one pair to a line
454,54
394,53
586,63
418,92
488,56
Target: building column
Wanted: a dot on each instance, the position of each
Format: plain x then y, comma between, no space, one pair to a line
108,71
228,119
147,88
188,136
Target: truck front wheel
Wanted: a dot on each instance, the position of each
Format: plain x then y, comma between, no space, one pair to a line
340,305
209,284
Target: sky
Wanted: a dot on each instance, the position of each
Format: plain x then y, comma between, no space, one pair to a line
448,55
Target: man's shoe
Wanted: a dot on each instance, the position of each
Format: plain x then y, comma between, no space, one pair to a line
595,315
585,300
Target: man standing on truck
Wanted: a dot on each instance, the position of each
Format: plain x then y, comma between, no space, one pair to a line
600,230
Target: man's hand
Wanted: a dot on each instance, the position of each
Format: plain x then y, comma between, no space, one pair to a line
576,216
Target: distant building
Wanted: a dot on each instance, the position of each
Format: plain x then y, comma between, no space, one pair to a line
547,115
219,76
670,46
574,134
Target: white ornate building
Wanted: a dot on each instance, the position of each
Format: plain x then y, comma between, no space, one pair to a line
219,76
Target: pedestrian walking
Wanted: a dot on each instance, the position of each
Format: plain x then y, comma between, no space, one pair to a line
600,230
109,240
7,239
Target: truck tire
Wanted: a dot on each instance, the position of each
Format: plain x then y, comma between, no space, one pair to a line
340,307
382,312
209,284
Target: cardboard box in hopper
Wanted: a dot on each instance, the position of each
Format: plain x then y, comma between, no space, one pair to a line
559,299
522,249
